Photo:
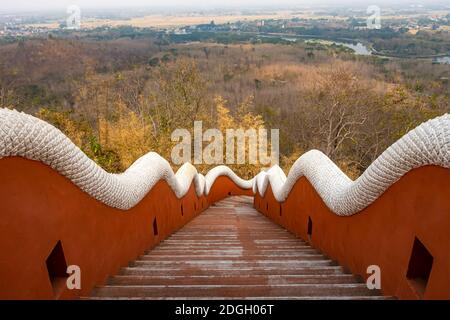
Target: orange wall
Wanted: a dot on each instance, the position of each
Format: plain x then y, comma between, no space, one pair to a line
39,207
418,205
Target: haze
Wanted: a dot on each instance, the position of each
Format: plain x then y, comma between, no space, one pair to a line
27,5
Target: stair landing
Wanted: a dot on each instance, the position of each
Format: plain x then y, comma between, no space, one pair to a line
233,252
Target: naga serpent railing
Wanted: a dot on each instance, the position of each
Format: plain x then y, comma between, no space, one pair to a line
63,201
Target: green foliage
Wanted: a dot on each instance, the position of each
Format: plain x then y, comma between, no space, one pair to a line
153,62
228,77
83,136
166,58
108,159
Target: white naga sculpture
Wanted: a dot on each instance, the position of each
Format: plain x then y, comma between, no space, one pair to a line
26,136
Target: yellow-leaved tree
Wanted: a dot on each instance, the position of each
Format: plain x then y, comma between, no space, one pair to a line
247,121
127,135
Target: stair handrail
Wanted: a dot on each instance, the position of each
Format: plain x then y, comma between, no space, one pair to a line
29,137
26,136
428,144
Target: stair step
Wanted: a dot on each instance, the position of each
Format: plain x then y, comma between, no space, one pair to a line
257,233
286,290
358,298
236,271
235,257
163,247
233,252
235,241
229,251
218,236
213,265
228,279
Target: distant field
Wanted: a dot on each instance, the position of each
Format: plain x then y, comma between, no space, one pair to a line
165,21
185,19
174,20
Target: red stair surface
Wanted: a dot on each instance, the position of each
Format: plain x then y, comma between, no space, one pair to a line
231,251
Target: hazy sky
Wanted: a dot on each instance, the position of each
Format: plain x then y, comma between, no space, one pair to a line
57,5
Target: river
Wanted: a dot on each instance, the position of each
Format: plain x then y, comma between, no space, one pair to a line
443,60
358,48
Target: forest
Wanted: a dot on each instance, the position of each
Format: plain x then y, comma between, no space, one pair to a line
120,98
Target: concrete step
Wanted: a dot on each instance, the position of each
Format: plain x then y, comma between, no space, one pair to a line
239,251
284,290
229,279
208,244
233,252
236,257
164,247
307,298
213,265
327,270
220,236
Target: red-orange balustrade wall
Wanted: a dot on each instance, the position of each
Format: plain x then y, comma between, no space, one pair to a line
40,208
416,209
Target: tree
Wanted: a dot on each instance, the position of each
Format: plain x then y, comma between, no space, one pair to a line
153,62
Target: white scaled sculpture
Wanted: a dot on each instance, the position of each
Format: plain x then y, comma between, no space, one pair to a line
216,172
428,144
26,136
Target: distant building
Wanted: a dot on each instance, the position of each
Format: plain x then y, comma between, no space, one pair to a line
180,31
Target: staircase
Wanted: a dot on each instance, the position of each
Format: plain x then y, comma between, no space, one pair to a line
232,251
